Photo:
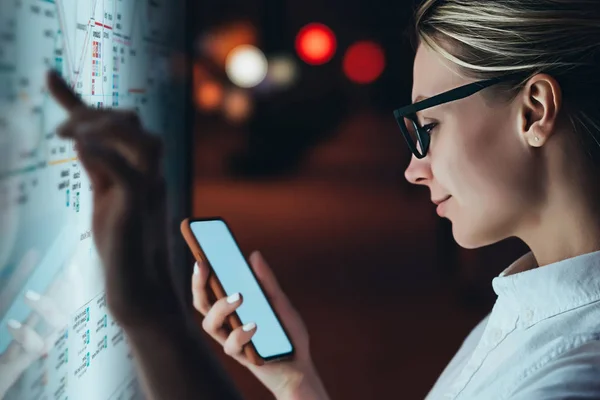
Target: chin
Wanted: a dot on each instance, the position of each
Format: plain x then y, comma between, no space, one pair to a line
473,237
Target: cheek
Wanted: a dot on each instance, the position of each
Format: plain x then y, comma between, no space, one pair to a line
480,157
484,166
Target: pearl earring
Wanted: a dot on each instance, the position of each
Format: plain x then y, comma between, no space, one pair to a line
536,138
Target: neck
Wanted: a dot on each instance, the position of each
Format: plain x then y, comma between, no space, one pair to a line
566,227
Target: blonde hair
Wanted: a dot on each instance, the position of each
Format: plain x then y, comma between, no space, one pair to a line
489,38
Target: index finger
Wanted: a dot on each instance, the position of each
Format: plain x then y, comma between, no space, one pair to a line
199,288
60,90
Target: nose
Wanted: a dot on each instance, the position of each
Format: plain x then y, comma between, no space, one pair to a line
418,171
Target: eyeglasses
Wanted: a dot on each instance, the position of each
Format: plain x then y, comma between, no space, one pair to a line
417,137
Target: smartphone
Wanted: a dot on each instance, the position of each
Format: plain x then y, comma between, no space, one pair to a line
212,242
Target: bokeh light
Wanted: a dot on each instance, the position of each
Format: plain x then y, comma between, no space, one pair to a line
282,71
315,43
237,105
246,66
364,62
209,95
218,43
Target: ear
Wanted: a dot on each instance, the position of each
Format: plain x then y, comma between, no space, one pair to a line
542,100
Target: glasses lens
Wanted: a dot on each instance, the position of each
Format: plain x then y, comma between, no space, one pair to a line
410,132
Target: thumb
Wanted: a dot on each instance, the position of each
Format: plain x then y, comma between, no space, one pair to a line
266,277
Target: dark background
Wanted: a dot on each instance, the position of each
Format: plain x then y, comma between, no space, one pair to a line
313,177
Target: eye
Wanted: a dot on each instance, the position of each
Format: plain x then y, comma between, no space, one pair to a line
429,127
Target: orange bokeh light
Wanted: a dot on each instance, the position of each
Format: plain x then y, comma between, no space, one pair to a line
218,43
315,44
209,95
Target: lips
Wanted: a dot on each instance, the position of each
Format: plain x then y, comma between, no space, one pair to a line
441,205
440,200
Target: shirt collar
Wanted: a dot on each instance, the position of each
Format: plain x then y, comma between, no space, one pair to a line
538,293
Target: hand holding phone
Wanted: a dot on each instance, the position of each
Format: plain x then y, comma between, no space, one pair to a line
297,373
213,244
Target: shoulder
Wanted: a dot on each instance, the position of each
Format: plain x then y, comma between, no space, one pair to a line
476,333
571,371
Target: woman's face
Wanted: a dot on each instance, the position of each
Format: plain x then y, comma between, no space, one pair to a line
478,156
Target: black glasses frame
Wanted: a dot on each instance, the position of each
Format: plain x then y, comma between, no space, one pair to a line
410,111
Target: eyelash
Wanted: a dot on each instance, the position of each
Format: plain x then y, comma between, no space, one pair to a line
429,127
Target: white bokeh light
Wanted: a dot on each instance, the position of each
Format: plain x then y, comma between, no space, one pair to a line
283,71
246,66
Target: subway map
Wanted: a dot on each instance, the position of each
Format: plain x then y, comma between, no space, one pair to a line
57,339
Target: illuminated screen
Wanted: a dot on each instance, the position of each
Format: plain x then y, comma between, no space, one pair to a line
57,338
234,274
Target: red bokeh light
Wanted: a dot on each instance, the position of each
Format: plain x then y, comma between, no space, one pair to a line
364,62
315,44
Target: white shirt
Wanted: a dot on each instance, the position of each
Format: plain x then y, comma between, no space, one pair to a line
540,341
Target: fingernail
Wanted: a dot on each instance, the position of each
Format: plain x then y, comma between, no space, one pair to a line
196,269
233,298
249,326
33,296
14,324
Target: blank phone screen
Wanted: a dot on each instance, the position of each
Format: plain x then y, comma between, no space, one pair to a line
232,270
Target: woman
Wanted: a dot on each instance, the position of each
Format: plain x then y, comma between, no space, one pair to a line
514,150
